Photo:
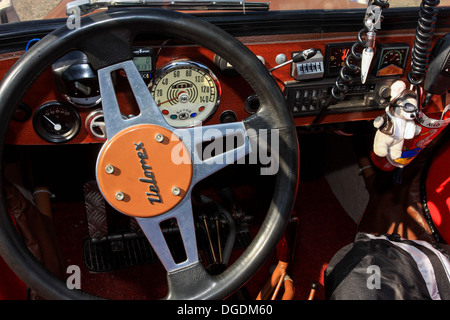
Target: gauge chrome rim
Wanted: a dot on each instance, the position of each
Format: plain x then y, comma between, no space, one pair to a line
58,127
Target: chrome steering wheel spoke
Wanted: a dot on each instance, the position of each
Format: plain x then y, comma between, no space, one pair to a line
149,111
214,147
186,228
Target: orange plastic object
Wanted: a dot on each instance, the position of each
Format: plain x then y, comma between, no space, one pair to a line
144,170
272,286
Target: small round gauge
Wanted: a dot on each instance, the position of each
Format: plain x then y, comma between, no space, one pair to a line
186,92
56,122
76,79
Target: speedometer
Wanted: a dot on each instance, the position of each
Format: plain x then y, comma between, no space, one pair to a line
186,92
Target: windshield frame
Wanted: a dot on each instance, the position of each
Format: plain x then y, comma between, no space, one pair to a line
28,10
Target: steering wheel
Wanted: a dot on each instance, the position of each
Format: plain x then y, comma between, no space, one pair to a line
153,188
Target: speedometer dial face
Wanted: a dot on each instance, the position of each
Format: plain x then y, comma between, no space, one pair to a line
186,92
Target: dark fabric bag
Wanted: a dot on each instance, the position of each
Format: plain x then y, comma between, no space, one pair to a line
387,267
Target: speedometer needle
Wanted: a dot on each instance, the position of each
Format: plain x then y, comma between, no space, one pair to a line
167,101
174,98
345,54
56,126
395,55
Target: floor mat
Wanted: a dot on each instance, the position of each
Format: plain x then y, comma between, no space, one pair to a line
324,228
324,225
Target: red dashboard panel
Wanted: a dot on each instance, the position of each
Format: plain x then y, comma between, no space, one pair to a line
235,90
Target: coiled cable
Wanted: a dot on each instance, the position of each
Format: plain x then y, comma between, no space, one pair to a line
348,70
345,78
420,53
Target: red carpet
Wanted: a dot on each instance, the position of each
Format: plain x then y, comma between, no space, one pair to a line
11,287
324,228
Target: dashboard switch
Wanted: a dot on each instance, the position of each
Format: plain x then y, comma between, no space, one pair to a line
309,69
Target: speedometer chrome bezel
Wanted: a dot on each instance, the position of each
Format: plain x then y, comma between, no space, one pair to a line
183,64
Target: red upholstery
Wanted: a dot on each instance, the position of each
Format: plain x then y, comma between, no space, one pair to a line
438,191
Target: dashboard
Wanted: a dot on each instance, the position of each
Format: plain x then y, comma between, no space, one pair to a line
191,85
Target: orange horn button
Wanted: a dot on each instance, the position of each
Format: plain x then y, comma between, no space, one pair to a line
144,170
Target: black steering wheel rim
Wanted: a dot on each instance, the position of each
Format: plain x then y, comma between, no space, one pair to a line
117,26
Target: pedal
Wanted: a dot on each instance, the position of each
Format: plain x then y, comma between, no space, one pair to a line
95,211
117,252
115,241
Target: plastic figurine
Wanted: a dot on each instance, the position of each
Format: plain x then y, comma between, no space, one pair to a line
397,124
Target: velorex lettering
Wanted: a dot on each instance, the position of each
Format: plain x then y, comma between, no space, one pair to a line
154,195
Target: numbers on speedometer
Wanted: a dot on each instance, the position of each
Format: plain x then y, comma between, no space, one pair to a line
186,92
